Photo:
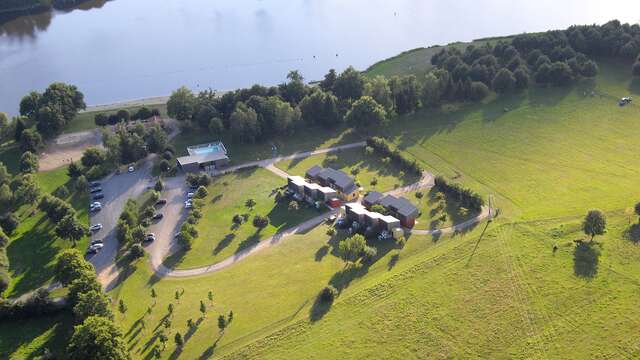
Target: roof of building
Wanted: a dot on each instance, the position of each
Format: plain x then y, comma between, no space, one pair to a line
400,205
389,219
202,158
372,197
298,180
314,171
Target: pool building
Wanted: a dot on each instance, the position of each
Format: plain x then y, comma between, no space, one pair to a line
204,157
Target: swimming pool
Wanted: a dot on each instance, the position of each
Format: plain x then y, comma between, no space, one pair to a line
206,149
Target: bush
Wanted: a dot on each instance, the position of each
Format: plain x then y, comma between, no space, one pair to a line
237,219
331,159
137,251
369,253
419,194
9,223
328,294
123,115
35,306
101,119
368,150
293,205
62,192
158,186
260,221
185,240
202,192
143,113
201,179
331,231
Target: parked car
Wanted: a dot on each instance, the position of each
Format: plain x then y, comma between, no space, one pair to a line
131,169
384,235
188,204
190,195
98,196
150,237
96,203
161,202
97,241
157,216
95,190
94,248
94,184
95,207
96,227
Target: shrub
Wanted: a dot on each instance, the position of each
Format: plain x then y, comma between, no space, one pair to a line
192,219
328,294
158,186
202,192
331,159
331,231
368,150
374,181
369,253
463,211
137,251
237,219
9,223
62,192
101,119
196,214
419,194
185,240
81,184
355,171
143,113
293,205
260,222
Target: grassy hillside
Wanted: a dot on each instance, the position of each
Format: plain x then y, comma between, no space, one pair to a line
31,338
547,156
34,245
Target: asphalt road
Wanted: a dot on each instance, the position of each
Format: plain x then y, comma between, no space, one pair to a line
117,190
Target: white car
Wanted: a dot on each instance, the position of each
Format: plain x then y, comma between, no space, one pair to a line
97,241
190,195
131,169
96,247
96,227
96,203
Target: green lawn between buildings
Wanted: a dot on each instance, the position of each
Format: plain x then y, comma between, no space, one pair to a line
368,167
218,238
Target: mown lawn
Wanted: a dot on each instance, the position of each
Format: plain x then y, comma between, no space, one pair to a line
506,294
267,291
354,161
553,152
218,237
30,339
34,245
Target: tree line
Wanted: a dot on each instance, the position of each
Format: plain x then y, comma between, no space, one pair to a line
32,6
465,196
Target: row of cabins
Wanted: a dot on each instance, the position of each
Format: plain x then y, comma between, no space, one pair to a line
324,185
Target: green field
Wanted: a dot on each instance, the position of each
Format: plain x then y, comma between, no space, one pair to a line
367,168
34,245
429,212
218,237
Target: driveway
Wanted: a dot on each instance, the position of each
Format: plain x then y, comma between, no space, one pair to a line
117,190
175,190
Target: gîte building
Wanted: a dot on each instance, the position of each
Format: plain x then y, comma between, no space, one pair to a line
204,156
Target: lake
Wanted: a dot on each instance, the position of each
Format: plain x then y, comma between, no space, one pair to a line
128,49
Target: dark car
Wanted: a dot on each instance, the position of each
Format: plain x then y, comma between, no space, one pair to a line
95,190
157,216
94,184
161,202
98,196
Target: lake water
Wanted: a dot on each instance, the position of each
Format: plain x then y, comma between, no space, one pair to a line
127,49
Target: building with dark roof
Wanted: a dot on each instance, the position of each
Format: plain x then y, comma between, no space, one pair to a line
398,207
335,179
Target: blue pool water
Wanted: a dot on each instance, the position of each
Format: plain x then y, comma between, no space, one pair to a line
206,149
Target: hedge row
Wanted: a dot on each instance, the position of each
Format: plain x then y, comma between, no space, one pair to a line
382,147
467,197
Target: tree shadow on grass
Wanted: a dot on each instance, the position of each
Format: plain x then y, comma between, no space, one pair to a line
210,351
634,86
393,260
224,243
585,259
632,233
249,242
322,252
319,309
